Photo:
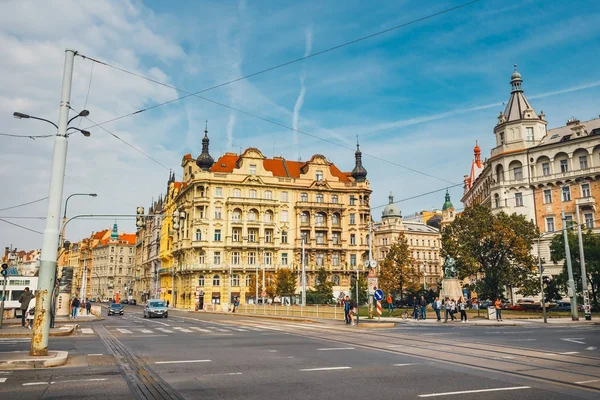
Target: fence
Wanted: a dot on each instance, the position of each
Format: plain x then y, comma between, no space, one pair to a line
310,311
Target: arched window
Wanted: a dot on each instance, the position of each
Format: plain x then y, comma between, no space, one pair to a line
336,280
320,197
335,219
320,219
268,194
237,193
334,199
216,280
305,217
269,216
201,280
235,280
252,215
236,215
198,234
252,193
303,197
497,200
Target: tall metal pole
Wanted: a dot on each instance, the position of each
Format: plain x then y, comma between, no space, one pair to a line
230,281
2,304
263,282
584,284
541,269
303,276
369,290
50,238
571,287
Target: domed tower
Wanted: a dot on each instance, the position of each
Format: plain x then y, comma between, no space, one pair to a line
204,160
391,210
448,211
359,173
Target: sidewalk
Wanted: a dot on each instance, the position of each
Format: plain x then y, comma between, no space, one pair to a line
17,331
22,360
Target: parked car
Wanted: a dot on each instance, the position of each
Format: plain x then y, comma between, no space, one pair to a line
156,308
564,306
115,309
124,301
133,302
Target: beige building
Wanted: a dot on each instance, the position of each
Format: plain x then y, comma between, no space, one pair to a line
424,241
146,260
249,214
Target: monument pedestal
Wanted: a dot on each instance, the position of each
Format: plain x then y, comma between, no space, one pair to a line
451,288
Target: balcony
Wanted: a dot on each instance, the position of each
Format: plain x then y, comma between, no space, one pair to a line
245,201
564,176
319,205
586,203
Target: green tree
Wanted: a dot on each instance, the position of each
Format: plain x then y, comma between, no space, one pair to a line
497,246
362,288
591,250
323,291
397,275
285,282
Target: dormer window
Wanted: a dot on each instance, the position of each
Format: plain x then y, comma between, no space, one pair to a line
319,176
252,169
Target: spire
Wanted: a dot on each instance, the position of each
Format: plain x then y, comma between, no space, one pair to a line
447,203
477,151
518,106
516,81
359,173
115,233
391,198
204,160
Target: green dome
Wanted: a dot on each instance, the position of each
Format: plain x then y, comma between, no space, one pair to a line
447,203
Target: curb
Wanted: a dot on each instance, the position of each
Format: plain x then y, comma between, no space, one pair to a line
375,325
63,332
57,359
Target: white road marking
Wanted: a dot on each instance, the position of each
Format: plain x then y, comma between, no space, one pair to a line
224,374
95,354
146,331
2,380
474,391
181,329
582,382
336,348
549,354
239,329
509,357
323,369
80,380
200,329
273,351
182,362
574,340
591,348
395,345
164,330
523,340
6,372
35,383
569,352
87,331
124,330
401,365
221,329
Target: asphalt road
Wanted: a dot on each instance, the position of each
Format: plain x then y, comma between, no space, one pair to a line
196,355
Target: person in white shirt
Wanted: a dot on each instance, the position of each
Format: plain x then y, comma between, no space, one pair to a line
437,307
30,312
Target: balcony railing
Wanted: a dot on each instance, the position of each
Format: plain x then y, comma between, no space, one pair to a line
586,202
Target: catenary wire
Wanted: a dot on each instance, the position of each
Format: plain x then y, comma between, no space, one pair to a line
24,204
412,22
417,196
87,96
32,137
21,226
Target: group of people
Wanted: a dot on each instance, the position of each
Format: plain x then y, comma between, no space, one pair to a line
27,300
77,304
349,311
450,306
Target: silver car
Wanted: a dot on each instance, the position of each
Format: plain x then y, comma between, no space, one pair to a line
156,308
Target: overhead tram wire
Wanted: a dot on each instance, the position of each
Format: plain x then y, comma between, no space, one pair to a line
24,204
270,121
21,226
412,22
418,195
32,137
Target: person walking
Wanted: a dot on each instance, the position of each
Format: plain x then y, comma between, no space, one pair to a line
88,307
167,303
30,312
347,310
415,309
446,305
437,306
452,309
390,304
24,299
423,304
74,307
462,307
498,307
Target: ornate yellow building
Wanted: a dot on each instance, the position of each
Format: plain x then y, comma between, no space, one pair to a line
247,214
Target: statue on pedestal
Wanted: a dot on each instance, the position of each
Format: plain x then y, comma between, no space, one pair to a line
450,270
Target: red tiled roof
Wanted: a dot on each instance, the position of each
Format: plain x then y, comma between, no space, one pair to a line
127,237
187,157
335,171
99,235
225,163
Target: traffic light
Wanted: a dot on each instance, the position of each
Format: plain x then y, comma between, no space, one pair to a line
4,271
139,219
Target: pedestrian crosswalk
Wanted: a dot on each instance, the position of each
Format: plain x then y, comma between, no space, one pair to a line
207,330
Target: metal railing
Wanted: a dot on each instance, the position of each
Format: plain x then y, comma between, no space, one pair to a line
310,311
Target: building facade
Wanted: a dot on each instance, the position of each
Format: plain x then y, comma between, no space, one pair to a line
538,172
247,215
146,261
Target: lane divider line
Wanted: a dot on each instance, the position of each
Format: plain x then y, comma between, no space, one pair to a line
182,362
324,369
474,391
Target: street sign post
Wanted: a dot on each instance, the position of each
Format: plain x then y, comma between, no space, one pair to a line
5,275
372,281
378,295
379,310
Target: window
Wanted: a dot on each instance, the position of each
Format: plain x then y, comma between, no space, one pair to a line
529,136
352,200
268,195
236,233
217,235
335,259
320,236
519,199
284,259
303,197
566,193
248,280
352,239
252,169
564,166
589,220
319,175
501,137
252,194
268,235
353,260
585,190
252,234
352,219
219,192
546,169
518,172
335,238
252,215
336,280
320,258
269,216
218,211
569,221
236,215
304,217
235,280
198,234
284,196
335,219
496,202
252,258
216,280
334,199
235,257
320,219
583,162
319,197
267,258
284,216
201,280
237,193
284,238
217,258
547,196
201,259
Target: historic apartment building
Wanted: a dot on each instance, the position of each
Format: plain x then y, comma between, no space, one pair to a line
537,171
245,213
424,241
146,261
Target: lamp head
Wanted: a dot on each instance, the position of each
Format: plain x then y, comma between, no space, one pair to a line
85,133
19,115
84,113
93,195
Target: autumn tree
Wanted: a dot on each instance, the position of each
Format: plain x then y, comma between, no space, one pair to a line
269,285
498,246
397,275
285,282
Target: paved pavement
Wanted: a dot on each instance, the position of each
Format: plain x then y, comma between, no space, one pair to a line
199,355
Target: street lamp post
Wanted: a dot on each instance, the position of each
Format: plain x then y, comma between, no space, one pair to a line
584,284
65,212
50,238
541,270
571,288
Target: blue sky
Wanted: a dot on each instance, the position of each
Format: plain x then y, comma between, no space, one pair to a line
419,96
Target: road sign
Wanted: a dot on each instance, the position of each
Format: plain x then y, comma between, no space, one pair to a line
378,295
372,274
379,308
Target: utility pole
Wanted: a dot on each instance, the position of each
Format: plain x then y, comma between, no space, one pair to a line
5,276
584,284
541,270
303,276
370,241
571,288
50,238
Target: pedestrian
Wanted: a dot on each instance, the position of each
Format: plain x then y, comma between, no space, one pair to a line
347,310
446,308
74,307
423,304
390,304
437,306
24,299
452,309
353,313
167,303
88,307
415,308
30,312
498,307
462,307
